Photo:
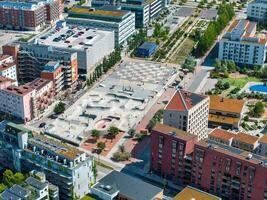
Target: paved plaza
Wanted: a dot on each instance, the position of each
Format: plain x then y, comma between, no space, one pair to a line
122,100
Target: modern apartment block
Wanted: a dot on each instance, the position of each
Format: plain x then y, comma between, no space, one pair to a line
257,11
8,67
27,101
224,112
32,57
29,15
189,112
53,71
219,165
241,44
121,22
229,172
64,166
91,45
35,187
170,150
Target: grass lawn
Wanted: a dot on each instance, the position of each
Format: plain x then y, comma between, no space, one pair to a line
89,197
183,52
226,92
240,82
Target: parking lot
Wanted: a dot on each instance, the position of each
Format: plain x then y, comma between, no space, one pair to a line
10,36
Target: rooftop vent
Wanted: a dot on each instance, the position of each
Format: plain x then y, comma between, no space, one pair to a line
172,133
249,156
108,187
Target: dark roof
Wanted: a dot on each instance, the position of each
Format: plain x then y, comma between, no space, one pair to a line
147,45
7,195
36,183
19,191
128,186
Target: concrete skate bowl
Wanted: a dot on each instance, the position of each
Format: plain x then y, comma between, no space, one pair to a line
103,124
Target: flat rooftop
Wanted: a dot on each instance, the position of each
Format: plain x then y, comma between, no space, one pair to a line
73,37
127,186
190,193
56,146
226,104
98,12
174,132
235,152
20,5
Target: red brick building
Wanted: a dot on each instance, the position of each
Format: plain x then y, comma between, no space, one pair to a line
211,165
170,148
29,15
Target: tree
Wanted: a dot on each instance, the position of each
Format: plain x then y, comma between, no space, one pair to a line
113,131
264,73
96,134
189,63
121,148
59,108
2,187
226,85
18,178
8,178
131,132
258,109
94,171
101,146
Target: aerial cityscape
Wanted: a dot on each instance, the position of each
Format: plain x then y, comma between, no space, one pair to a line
133,100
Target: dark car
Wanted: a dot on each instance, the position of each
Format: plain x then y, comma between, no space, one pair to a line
42,125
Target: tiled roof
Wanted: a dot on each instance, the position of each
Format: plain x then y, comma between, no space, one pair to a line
190,193
184,100
246,138
222,134
161,128
225,104
263,139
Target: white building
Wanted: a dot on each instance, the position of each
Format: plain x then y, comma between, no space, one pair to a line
189,112
91,45
121,22
257,10
241,45
8,67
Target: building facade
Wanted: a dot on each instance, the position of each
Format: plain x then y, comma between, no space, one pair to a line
29,15
8,68
90,45
241,45
64,166
257,11
170,150
189,112
121,22
54,71
225,113
219,165
28,101
229,172
31,59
